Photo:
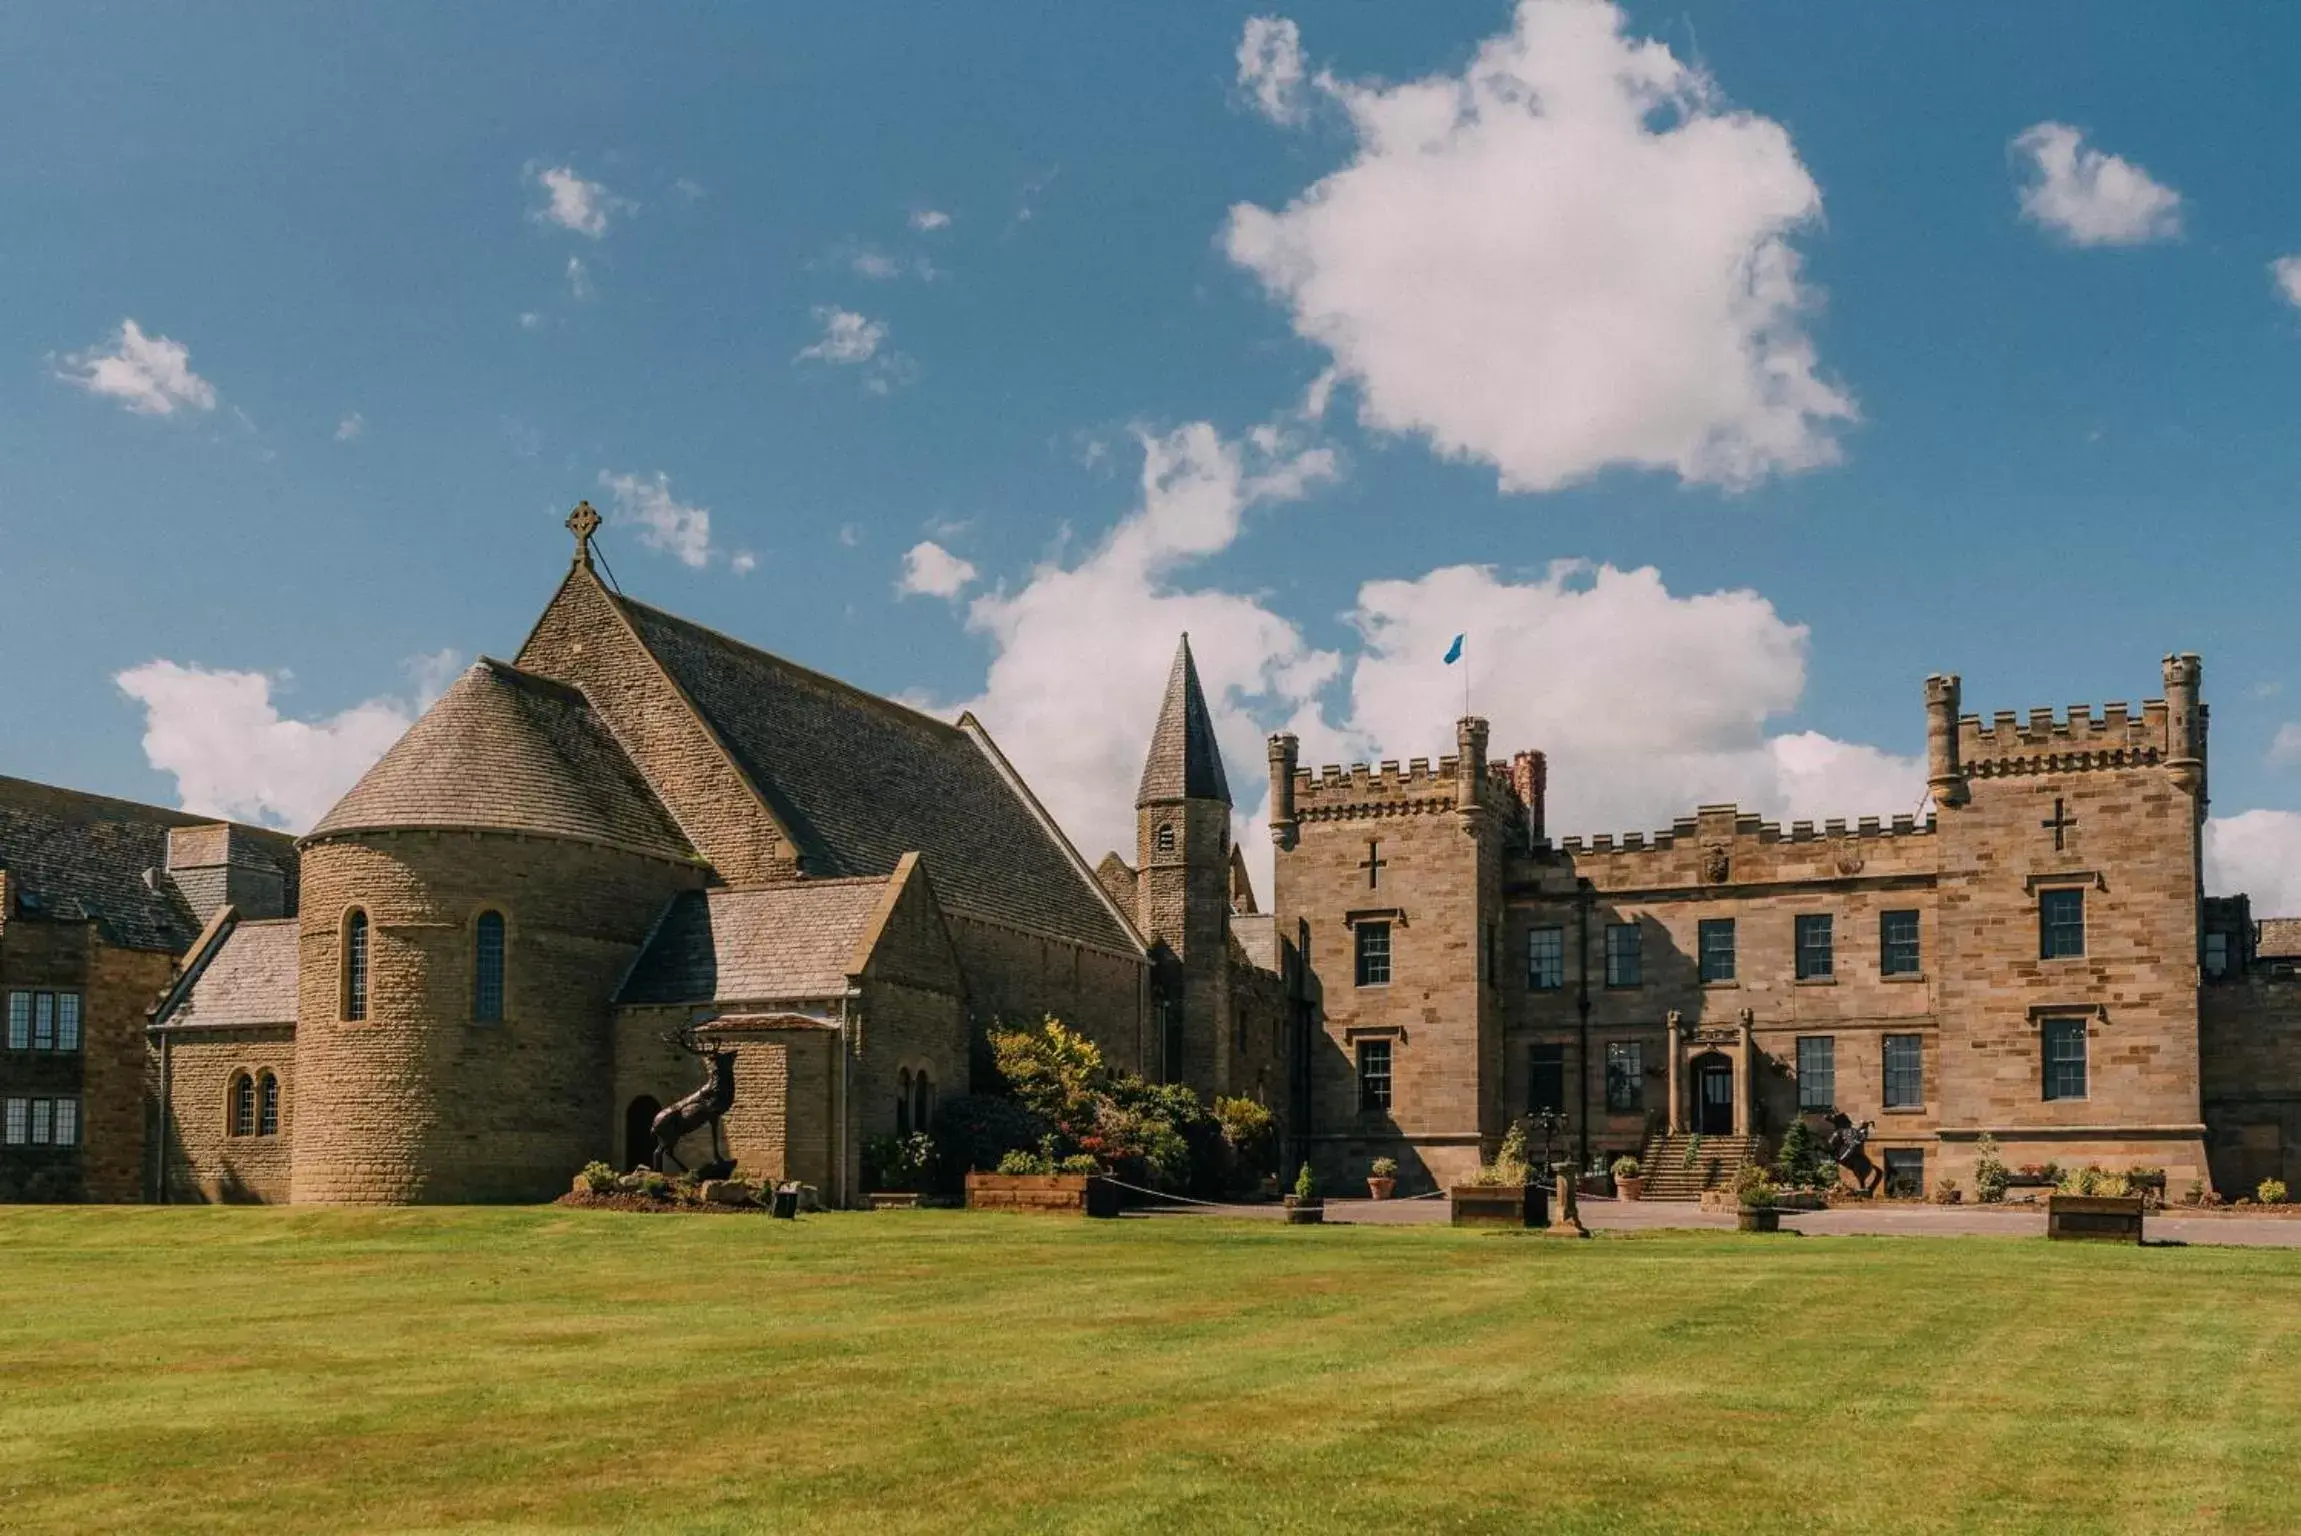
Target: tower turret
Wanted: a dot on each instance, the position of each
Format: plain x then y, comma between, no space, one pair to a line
1285,751
2184,722
1182,824
1944,777
1469,767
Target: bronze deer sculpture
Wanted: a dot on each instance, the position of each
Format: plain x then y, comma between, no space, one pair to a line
705,1106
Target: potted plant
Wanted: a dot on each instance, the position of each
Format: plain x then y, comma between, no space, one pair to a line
1628,1182
1504,1193
1382,1178
1756,1192
1304,1207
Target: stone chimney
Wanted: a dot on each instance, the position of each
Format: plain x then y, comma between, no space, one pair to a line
1530,776
221,865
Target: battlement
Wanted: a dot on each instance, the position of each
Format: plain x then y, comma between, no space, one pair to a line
2118,736
1726,823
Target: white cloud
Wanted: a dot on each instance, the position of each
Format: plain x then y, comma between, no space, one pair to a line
1270,67
232,752
2257,854
1571,256
578,278
2089,196
579,206
150,375
876,265
2285,747
663,521
529,319
850,340
2285,271
930,570
927,220
743,562
350,427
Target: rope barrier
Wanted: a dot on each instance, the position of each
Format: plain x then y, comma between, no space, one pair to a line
1228,1205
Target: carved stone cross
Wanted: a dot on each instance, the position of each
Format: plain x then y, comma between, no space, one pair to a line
583,522
1374,863
2058,824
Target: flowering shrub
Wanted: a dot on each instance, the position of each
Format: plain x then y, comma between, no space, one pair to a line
1383,1168
2270,1192
1625,1167
900,1163
598,1178
1990,1174
1146,1133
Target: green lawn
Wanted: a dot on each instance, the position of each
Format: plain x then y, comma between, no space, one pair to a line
304,1370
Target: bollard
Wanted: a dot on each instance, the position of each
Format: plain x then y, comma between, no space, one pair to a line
787,1201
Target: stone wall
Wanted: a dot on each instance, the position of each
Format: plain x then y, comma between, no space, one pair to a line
2250,1027
1017,978
1183,903
207,1161
418,1102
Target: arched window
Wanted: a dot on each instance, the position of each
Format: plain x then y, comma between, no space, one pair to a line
903,1102
267,1105
356,965
922,1101
487,969
243,1105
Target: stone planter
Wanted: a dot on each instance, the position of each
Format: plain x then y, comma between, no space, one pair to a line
1758,1218
1379,1189
1060,1193
1305,1213
1499,1205
893,1199
2094,1218
1632,1187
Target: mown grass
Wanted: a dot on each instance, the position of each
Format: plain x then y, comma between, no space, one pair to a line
321,1370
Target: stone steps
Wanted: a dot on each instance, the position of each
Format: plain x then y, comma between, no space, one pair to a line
1680,1167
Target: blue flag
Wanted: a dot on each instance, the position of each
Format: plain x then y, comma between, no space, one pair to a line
1454,651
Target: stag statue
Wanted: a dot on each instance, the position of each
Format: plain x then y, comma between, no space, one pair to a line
1845,1144
705,1106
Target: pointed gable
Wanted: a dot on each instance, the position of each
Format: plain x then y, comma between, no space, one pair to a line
1185,763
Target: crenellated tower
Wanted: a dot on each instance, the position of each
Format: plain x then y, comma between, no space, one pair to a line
1182,850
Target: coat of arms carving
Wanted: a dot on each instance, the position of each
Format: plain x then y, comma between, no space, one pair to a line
1716,864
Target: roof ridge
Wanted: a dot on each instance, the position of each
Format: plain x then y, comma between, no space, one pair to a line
804,882
176,815
800,668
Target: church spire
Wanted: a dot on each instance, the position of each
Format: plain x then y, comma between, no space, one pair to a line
1184,763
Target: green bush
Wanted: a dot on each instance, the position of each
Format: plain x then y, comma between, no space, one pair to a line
598,1177
1079,1162
1384,1168
975,1130
1250,1138
1021,1161
654,1185
2270,1192
1626,1167
1305,1184
1804,1161
1157,1134
903,1164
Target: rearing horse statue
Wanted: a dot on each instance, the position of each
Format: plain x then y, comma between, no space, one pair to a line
705,1106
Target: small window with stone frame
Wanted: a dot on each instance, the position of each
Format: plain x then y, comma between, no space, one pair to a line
1816,947
1373,1075
355,965
2217,950
1545,1079
1898,953
2064,1044
1817,1073
1905,1172
487,968
1714,948
1373,941
1545,959
1625,966
243,1105
1905,1071
1625,1076
267,1105
2061,923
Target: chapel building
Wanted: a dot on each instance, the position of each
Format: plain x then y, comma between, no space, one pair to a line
473,975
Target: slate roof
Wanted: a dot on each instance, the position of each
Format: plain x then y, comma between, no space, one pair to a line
506,751
1185,762
861,781
760,944
77,856
250,980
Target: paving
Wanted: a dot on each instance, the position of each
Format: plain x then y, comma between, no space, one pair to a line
1882,1220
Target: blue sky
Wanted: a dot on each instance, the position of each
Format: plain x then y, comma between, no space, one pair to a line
2038,445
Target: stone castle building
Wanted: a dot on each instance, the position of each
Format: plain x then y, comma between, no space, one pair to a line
469,978
2036,961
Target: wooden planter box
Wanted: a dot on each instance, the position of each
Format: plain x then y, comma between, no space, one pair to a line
1499,1205
1305,1213
1061,1193
1758,1218
2094,1218
893,1199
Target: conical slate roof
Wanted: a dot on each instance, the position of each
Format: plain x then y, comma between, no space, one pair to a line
1184,762
507,751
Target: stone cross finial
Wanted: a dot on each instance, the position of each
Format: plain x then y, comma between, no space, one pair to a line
583,522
